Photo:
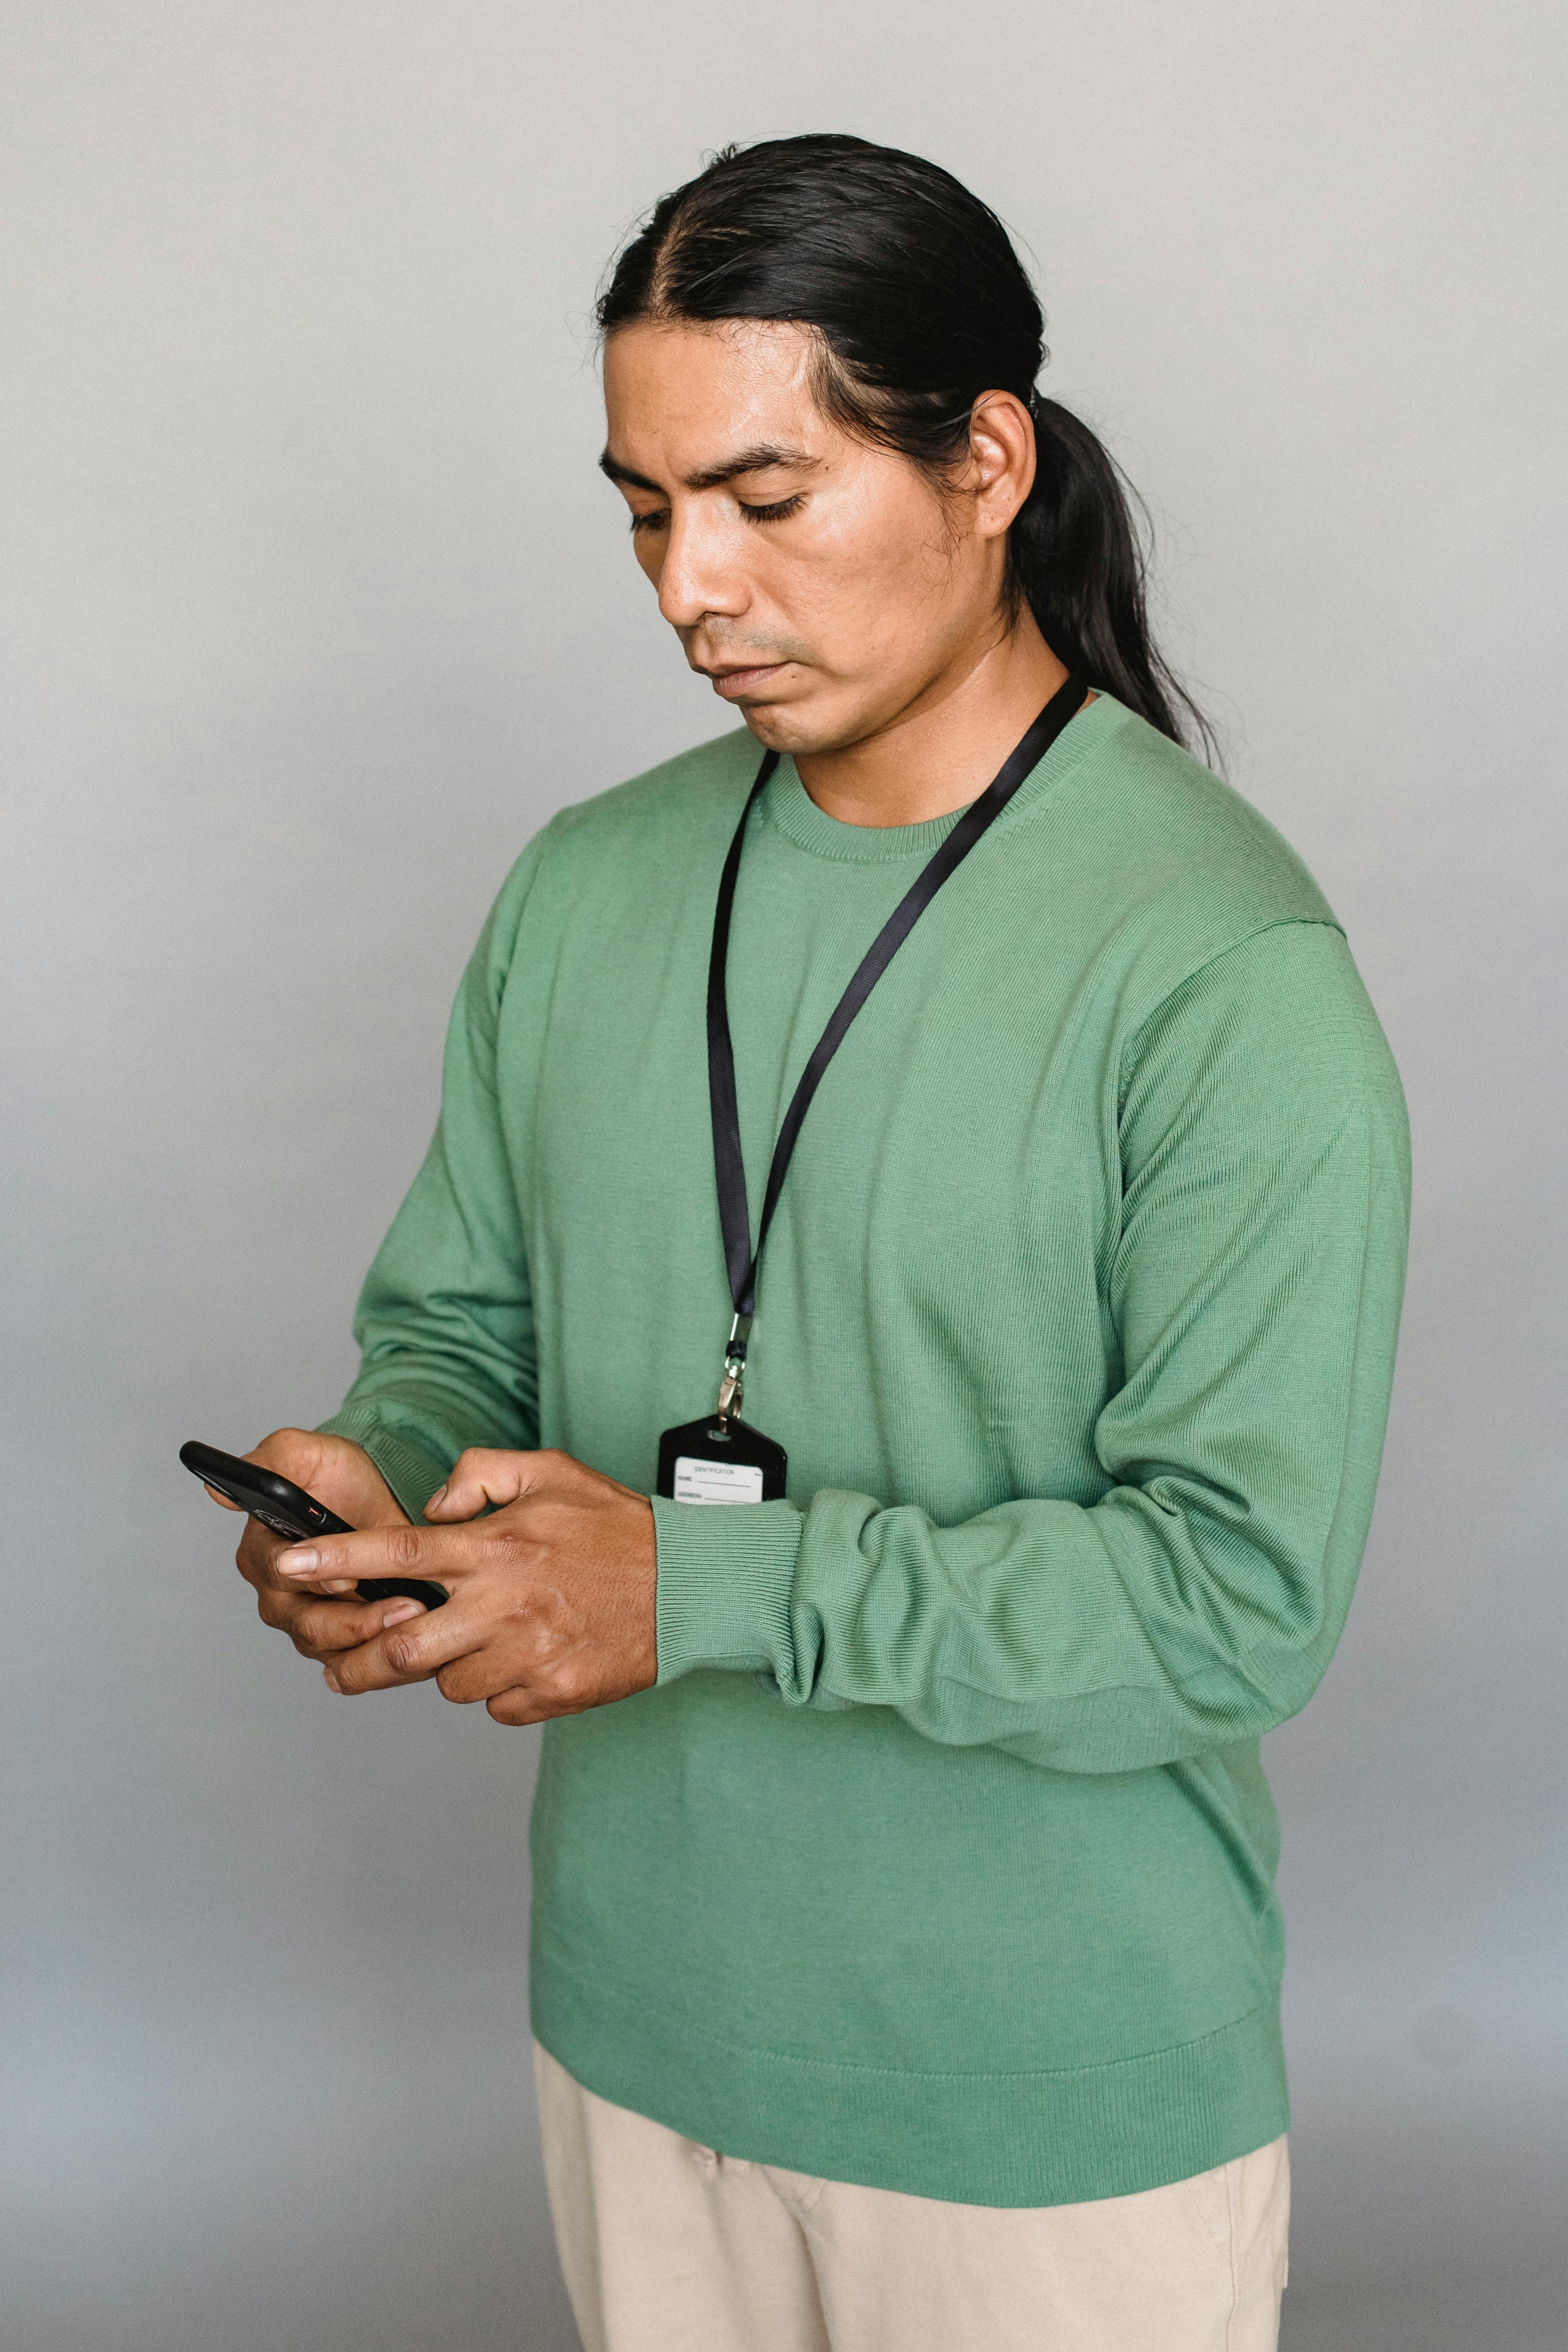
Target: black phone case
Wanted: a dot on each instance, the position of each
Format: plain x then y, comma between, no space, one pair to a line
288,1511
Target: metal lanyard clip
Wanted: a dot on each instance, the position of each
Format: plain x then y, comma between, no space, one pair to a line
732,1385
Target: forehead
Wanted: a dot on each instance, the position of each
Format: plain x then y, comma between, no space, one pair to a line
682,394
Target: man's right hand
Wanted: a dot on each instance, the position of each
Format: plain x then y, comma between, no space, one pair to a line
318,1620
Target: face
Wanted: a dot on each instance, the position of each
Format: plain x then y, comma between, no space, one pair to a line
824,585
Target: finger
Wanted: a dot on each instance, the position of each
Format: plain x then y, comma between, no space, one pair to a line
329,1628
433,1553
366,1667
479,1673
515,1708
483,1474
411,1651
258,1556
222,1500
322,1629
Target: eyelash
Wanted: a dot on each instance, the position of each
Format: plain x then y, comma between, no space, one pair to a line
779,511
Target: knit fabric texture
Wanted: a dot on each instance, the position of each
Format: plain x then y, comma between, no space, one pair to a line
940,1856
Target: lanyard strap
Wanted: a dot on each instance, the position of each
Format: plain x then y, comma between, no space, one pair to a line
729,1169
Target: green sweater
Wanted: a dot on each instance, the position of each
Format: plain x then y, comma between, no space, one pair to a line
940,1857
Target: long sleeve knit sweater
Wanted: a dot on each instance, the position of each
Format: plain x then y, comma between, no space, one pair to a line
940,1857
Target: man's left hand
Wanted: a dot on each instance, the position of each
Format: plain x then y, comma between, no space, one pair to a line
553,1595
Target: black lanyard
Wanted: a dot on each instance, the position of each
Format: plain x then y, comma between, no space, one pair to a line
729,1169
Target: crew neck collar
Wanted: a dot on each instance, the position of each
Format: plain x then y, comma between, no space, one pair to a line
789,808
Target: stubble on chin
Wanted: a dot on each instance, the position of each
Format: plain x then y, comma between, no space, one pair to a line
785,727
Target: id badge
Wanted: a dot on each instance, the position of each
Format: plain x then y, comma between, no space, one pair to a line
720,1460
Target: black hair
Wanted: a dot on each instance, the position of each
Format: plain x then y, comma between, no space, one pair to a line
918,304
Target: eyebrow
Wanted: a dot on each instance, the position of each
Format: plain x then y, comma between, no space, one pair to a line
762,454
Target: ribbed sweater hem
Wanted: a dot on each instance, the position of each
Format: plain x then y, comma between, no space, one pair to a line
1052,2136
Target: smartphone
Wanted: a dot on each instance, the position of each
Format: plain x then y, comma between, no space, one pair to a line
288,1510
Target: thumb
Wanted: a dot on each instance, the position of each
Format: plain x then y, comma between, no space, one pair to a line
481,1476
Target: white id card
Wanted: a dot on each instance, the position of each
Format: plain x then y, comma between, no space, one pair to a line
716,1482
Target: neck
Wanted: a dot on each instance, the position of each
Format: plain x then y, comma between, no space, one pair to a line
942,749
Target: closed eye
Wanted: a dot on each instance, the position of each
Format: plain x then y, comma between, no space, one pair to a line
780,511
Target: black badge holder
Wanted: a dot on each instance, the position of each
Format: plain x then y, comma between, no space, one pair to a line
723,1459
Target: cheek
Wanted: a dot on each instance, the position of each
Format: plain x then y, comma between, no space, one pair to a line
868,566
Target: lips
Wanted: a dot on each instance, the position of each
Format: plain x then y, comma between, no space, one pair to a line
745,681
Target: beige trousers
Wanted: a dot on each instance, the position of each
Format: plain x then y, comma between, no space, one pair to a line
668,2247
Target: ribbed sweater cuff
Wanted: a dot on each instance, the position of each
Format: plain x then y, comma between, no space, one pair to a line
411,1470
724,1575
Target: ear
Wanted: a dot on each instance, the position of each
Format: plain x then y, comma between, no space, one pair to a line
1001,460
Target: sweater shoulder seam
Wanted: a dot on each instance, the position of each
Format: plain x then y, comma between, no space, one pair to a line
1325,922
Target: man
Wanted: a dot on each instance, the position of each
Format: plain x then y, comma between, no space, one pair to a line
906,1955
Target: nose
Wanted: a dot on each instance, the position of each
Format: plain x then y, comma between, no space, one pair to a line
699,575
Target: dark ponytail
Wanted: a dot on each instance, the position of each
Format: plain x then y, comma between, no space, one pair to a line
919,304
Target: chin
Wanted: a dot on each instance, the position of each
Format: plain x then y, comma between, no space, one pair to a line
795,727
773,727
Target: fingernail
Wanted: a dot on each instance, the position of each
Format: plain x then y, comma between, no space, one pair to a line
331,1681
404,1610
338,1584
438,1495
298,1563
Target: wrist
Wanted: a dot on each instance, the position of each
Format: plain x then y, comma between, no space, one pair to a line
412,1470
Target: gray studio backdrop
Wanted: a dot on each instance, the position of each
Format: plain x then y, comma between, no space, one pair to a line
315,610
